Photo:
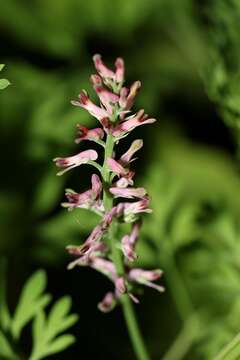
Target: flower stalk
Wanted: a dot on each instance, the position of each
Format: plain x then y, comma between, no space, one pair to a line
103,250
128,310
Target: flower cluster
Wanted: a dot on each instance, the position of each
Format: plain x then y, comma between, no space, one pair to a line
116,122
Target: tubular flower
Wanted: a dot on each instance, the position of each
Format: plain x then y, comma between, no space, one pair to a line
115,180
129,193
127,96
84,102
109,77
89,199
146,277
130,123
108,302
71,162
136,145
129,242
83,133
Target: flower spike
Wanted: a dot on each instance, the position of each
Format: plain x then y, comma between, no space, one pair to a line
116,121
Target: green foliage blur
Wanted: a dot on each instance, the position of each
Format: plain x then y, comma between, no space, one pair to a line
187,55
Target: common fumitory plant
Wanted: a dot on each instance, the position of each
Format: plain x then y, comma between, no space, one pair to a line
112,195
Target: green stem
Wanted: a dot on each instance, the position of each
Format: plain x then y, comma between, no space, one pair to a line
184,341
127,306
176,284
228,348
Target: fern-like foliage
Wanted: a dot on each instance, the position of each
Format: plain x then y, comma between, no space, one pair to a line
3,82
46,329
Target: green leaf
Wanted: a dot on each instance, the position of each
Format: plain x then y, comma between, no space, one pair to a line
1,66
32,300
46,331
4,83
39,325
61,343
4,312
5,348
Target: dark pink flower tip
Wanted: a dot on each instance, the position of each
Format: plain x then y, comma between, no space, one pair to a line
102,69
130,123
84,102
75,160
88,199
84,133
96,80
108,302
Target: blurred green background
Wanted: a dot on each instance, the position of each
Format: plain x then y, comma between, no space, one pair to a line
187,55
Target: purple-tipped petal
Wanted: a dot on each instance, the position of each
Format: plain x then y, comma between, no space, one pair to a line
108,302
131,123
96,80
83,133
102,69
88,105
89,199
76,160
129,242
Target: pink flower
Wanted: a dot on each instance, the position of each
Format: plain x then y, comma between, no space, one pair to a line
107,98
104,266
93,243
84,133
132,209
126,158
124,127
116,167
129,242
120,286
108,302
146,277
102,69
85,252
107,74
76,160
124,173
89,199
96,80
120,69
129,193
84,102
123,183
127,96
